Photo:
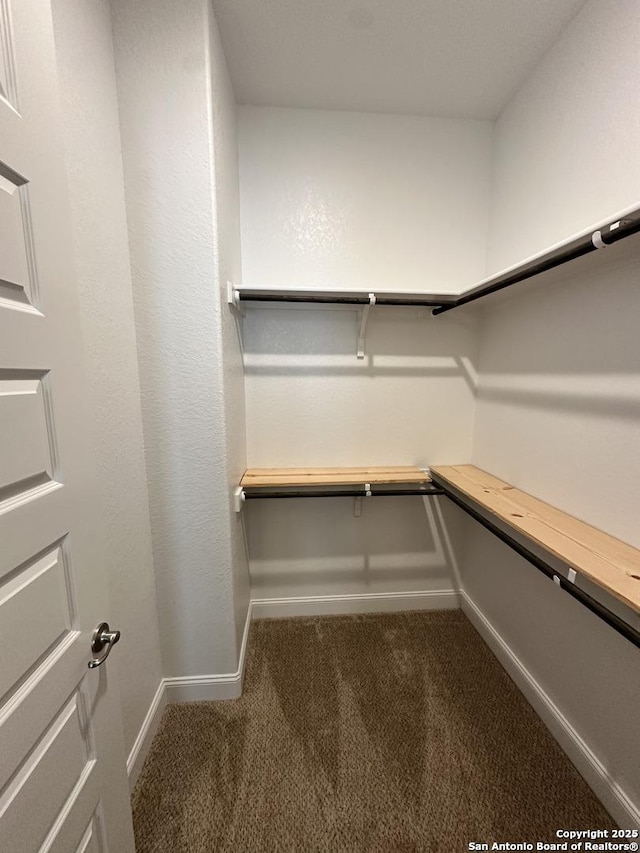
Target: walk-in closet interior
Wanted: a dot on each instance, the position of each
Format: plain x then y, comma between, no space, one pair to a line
358,293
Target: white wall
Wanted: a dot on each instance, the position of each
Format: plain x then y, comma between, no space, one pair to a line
558,411
174,101
356,201
559,390
92,138
223,118
566,146
340,199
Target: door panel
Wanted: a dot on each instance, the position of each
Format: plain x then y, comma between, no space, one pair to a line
63,783
7,60
45,781
27,712
17,263
41,589
25,441
78,828
89,842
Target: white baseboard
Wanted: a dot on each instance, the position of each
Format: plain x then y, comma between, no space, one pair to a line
372,602
610,794
190,688
145,735
198,688
204,688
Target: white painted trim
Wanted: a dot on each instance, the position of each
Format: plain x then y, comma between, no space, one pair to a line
148,729
604,786
371,602
188,689
199,688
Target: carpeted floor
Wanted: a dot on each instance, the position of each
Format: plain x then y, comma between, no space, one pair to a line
391,733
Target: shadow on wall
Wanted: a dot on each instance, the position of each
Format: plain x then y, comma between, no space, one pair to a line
397,544
566,346
558,401
577,352
579,319
320,342
311,402
566,649
601,401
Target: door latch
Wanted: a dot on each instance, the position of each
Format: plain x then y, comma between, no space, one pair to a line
103,637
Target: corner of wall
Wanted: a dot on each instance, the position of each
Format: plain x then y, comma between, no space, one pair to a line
180,243
228,268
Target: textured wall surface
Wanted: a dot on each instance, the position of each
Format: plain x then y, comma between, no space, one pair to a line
340,199
318,548
90,112
558,405
349,200
566,147
558,410
310,401
224,133
165,87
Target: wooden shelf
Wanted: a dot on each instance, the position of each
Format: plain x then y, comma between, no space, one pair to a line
542,534
608,562
257,478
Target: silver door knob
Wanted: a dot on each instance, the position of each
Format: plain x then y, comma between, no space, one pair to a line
103,637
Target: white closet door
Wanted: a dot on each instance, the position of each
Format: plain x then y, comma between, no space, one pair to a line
63,782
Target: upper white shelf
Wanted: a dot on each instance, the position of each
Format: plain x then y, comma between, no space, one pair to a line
598,236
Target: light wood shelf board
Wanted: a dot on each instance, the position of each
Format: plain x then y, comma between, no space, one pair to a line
608,562
269,477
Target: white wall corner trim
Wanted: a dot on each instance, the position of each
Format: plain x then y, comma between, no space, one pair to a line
200,688
604,786
145,735
373,602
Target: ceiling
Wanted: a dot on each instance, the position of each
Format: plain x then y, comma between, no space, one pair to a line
463,58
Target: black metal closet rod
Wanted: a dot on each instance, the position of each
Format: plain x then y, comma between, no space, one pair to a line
254,494
608,616
606,236
429,301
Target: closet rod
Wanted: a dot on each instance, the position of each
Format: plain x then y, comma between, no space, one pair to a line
607,235
608,616
255,494
318,298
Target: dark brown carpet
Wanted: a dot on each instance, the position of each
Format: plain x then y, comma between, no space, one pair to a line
390,733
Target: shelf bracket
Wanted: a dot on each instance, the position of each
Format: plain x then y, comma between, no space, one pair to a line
239,498
357,501
363,325
233,298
